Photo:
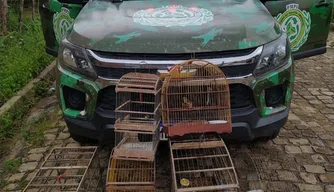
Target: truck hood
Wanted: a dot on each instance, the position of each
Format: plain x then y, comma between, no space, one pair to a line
178,26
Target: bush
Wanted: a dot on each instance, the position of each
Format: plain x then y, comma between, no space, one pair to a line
22,55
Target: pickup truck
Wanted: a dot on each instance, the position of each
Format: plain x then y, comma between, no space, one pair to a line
254,42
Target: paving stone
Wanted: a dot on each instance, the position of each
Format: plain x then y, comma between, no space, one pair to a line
318,130
315,102
317,142
55,130
327,178
331,117
49,138
306,149
73,145
330,159
31,175
252,177
315,92
328,93
293,117
298,133
281,186
304,159
308,178
314,169
62,136
299,141
11,187
313,124
308,187
318,158
330,144
308,133
330,105
280,141
329,188
30,166
61,124
326,136
34,157
323,150
321,97
329,168
292,149
255,185
38,150
286,176
16,177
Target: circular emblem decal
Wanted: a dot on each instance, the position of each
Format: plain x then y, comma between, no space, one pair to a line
61,22
173,15
296,23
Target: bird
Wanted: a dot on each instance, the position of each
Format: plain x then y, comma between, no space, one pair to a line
187,103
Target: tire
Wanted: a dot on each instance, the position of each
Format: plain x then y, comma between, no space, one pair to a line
82,139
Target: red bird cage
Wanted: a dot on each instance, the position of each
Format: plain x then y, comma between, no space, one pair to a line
196,99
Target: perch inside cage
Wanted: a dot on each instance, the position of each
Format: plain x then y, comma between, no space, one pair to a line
137,116
196,102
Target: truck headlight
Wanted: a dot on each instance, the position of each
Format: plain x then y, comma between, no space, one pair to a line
75,58
275,54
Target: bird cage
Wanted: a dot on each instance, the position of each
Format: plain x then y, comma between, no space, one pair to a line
74,169
130,176
201,162
196,99
138,116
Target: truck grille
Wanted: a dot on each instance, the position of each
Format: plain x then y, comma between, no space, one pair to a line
240,96
116,73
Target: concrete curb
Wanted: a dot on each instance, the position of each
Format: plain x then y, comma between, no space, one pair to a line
47,74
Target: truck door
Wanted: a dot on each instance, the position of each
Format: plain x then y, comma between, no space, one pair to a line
307,23
56,18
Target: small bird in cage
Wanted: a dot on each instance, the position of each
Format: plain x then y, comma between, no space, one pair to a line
187,103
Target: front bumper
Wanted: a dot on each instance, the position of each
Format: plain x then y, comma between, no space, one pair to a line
254,121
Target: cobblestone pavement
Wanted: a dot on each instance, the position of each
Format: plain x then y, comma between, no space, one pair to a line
300,159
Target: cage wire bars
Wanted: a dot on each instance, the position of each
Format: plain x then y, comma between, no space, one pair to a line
196,99
68,169
195,109
137,133
138,116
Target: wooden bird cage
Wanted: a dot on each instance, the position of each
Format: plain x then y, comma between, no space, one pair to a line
138,116
74,169
201,162
196,99
130,176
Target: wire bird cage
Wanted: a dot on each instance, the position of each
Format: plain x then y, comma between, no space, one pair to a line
68,169
196,99
201,162
138,116
130,176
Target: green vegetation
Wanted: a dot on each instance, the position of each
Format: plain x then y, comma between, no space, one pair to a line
11,166
22,55
8,167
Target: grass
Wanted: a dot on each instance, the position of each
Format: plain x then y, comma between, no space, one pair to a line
22,58
8,167
22,55
11,166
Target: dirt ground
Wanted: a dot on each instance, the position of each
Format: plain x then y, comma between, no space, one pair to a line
300,159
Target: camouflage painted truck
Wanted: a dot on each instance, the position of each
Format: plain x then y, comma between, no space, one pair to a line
254,42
